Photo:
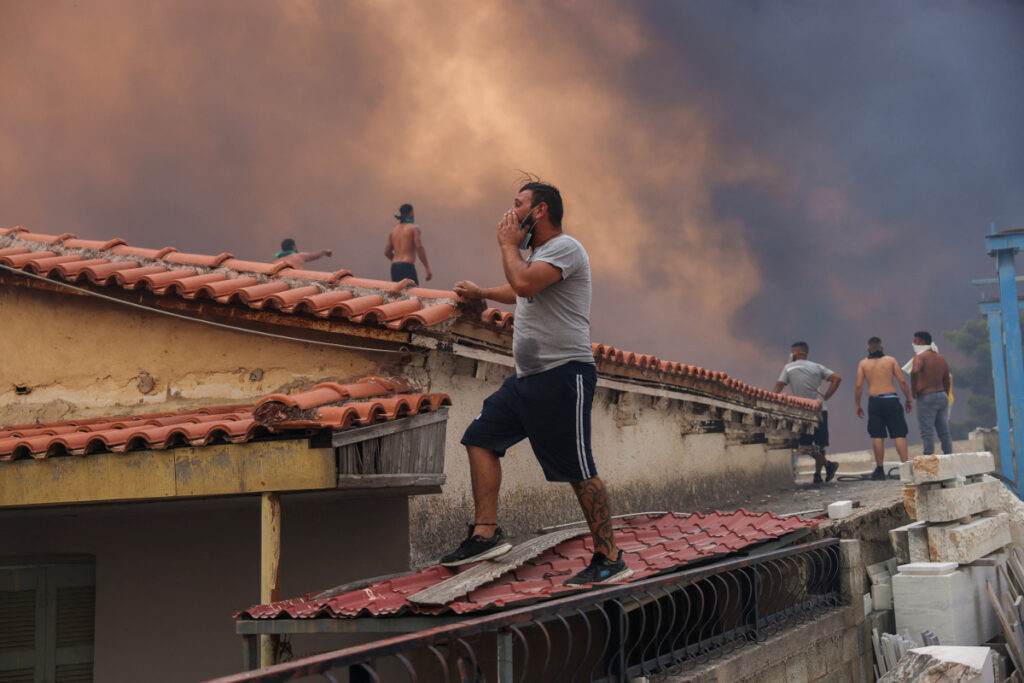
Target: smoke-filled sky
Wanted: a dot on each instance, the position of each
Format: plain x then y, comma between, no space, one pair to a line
743,174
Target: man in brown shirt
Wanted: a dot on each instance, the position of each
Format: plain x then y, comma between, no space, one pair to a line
930,383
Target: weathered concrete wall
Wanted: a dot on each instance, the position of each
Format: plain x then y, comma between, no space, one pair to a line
83,357
170,575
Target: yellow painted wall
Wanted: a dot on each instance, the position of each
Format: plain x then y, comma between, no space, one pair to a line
85,357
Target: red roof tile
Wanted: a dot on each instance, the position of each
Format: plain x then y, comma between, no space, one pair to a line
274,286
227,280
652,544
326,406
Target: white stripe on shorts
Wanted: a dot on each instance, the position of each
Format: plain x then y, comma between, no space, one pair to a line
581,450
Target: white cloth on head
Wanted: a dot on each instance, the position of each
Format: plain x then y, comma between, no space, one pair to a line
918,350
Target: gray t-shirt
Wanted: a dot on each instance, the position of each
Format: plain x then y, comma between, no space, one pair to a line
804,377
552,327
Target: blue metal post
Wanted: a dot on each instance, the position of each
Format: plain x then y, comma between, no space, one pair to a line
995,331
1012,343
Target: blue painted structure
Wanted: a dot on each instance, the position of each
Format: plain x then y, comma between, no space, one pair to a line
1007,356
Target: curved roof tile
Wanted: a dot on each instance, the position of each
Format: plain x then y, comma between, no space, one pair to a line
327,405
228,280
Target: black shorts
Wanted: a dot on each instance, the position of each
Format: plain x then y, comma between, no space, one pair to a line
401,270
820,435
885,416
552,410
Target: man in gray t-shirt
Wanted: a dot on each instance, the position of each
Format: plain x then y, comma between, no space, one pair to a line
804,378
549,399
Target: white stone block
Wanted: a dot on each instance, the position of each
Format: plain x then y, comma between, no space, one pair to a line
946,599
968,542
944,663
907,472
881,596
935,503
900,539
931,468
840,509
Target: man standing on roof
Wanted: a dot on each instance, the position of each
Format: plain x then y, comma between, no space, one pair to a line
804,377
930,383
296,259
404,244
885,415
549,398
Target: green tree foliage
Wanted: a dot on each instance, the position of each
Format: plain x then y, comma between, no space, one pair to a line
972,341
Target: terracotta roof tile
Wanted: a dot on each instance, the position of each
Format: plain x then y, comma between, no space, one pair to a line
327,406
229,281
653,544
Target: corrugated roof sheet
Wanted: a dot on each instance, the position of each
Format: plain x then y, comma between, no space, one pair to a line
326,406
652,544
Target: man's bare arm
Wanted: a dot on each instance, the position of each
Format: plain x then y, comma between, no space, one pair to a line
779,386
389,249
502,293
834,381
307,256
915,375
903,383
859,389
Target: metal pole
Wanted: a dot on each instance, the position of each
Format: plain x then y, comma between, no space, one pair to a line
995,334
506,673
270,560
1012,343
250,652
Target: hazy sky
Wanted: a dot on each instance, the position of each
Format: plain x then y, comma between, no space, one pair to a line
743,174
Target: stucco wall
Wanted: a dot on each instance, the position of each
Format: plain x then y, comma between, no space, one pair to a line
170,575
83,357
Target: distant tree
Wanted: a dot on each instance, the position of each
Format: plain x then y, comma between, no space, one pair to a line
973,341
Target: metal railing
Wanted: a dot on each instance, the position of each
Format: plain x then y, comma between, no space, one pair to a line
663,624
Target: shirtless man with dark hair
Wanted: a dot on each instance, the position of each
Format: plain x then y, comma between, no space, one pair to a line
885,415
404,245
297,259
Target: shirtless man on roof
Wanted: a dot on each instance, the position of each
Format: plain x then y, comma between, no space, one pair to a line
296,259
404,245
885,415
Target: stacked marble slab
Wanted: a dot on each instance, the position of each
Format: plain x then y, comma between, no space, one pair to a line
956,543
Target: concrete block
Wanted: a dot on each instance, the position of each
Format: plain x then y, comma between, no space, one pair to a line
881,596
968,542
840,509
931,468
917,539
899,537
853,581
937,503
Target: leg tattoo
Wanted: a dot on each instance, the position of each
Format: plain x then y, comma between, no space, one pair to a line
596,510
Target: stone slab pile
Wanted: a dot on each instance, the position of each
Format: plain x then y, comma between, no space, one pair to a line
957,543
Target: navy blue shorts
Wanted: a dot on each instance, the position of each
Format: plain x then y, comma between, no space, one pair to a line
400,270
552,410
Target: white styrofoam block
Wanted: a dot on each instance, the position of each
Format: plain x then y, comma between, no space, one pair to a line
840,509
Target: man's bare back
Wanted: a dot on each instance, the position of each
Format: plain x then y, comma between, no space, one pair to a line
879,374
404,245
